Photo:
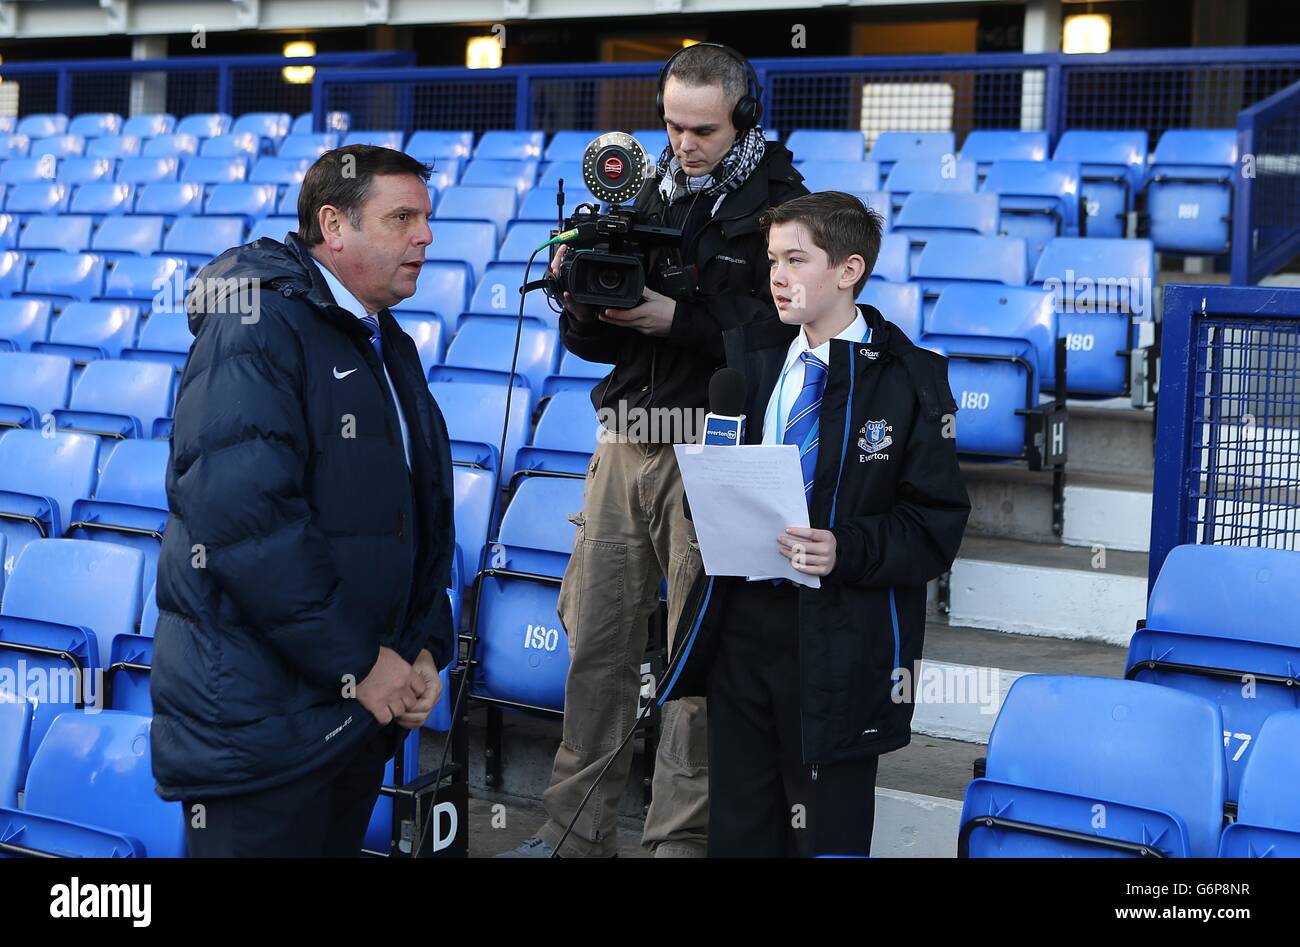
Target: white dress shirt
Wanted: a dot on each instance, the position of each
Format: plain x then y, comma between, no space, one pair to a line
790,383
347,301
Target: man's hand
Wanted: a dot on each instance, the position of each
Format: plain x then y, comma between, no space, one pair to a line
391,688
810,551
431,691
580,310
652,317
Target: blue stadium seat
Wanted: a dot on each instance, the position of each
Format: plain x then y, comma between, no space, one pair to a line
199,239
171,146
84,170
32,385
850,176
164,337
493,172
512,145
130,504
285,171
894,261
100,199
570,171
149,615
943,175
214,170
38,197
1268,813
1189,190
20,170
380,834
129,664
308,147
268,127
252,201
118,399
113,147
1112,166
818,145
522,651
494,204
90,792
984,146
334,122
926,213
142,280
472,506
497,294
954,258
574,374
204,124
22,322
1039,200
653,140
1104,292
1064,749
445,174
231,145
1199,638
426,332
474,413
123,236
565,437
96,125
40,478
15,740
276,228
481,352
569,145
13,272
523,237
905,147
65,276
1001,345
140,171
380,139
86,331
472,242
170,199
14,146
288,206
900,303
66,234
42,125
149,126
437,145
442,290
59,147
540,204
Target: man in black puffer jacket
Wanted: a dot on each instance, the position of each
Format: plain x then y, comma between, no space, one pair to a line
303,613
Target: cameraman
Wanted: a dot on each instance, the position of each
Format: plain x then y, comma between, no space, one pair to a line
712,182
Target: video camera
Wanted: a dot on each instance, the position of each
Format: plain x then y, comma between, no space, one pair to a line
612,252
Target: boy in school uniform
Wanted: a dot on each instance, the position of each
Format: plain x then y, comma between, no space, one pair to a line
808,686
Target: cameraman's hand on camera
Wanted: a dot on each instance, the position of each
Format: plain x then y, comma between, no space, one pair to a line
580,310
652,317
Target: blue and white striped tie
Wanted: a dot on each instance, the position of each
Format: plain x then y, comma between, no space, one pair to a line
801,428
372,324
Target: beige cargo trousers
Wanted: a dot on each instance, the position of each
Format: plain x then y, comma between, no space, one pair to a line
631,534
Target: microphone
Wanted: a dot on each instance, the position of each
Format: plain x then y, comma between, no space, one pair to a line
724,424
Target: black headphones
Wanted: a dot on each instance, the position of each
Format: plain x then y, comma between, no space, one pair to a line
748,110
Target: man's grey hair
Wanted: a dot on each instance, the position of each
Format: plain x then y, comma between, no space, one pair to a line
708,65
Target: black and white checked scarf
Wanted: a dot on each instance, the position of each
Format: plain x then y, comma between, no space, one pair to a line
736,165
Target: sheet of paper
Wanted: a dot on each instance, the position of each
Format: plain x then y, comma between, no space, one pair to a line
741,499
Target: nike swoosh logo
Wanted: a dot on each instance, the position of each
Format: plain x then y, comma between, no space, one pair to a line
339,374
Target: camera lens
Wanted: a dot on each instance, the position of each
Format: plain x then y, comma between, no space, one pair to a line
609,278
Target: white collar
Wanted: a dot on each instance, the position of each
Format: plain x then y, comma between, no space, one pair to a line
342,295
855,331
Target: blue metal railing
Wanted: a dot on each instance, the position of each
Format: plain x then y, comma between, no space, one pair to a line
1227,466
1266,222
232,84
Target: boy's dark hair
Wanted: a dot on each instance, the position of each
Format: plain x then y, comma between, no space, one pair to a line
341,178
839,223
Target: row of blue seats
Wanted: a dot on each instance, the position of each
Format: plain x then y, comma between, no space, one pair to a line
1165,752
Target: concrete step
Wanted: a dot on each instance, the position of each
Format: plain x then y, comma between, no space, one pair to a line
1107,509
1110,437
1055,591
